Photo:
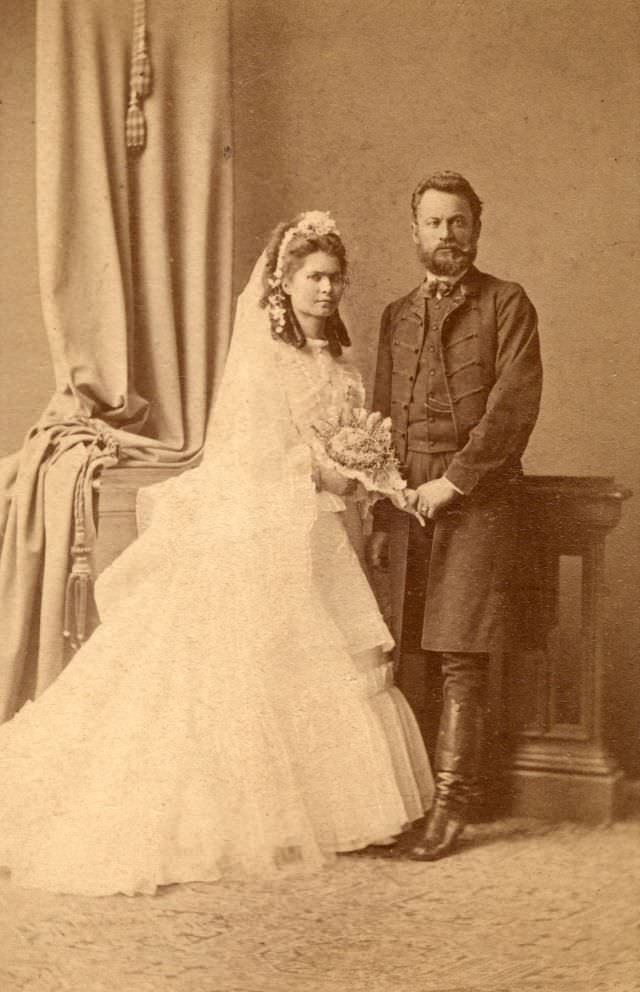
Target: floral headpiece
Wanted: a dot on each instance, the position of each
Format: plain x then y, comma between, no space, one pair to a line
313,223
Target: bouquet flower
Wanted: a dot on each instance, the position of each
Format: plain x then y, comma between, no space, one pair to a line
358,445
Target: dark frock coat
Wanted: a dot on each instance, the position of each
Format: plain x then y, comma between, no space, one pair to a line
488,357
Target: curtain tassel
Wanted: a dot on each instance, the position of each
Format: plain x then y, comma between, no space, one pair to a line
101,453
135,128
78,589
139,80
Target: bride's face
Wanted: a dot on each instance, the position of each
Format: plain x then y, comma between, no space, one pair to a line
316,287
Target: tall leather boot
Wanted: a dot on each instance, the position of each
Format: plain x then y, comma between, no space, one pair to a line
458,755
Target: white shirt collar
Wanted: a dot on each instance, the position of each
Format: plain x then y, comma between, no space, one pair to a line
452,280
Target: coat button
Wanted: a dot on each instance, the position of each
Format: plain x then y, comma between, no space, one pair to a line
432,371
416,351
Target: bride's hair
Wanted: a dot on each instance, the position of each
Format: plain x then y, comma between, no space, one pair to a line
299,245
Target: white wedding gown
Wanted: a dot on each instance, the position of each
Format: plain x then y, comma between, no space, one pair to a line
234,713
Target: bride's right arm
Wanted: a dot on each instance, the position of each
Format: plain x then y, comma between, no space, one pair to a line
329,480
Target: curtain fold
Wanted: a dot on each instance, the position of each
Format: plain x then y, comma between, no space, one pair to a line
135,257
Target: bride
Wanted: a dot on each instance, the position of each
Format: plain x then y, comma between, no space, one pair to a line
234,713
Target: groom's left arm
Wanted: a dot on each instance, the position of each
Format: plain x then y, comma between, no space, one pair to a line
513,402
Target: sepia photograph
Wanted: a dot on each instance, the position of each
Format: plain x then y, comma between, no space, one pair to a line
319,496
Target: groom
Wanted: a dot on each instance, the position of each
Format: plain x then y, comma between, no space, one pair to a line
459,373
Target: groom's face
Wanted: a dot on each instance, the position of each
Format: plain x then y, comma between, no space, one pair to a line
444,232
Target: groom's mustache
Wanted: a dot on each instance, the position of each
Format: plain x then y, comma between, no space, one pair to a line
461,251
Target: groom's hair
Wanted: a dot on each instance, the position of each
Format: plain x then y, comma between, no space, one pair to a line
448,182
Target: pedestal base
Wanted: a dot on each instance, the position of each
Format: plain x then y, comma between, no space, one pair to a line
558,796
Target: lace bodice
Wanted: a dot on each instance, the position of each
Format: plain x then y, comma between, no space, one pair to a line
315,381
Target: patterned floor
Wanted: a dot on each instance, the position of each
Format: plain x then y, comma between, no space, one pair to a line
524,907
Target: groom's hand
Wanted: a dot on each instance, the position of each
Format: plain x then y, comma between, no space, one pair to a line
435,495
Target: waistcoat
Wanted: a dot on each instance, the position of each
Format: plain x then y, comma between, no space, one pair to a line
460,372
431,425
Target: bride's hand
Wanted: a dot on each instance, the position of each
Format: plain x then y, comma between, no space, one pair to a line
330,480
412,498
411,505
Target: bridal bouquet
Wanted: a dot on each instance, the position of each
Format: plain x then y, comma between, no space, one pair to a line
358,445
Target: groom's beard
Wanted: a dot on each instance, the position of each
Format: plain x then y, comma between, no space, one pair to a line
452,262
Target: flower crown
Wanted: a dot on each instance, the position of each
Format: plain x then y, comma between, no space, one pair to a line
313,223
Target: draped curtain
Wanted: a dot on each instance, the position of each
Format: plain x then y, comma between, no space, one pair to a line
135,275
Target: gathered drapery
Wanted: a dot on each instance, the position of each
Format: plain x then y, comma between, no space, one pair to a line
135,276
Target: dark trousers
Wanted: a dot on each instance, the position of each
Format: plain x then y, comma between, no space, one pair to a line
464,677
456,695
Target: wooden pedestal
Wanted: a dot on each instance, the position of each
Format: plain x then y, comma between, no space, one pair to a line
559,767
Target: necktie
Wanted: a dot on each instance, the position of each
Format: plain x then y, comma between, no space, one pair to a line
438,287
